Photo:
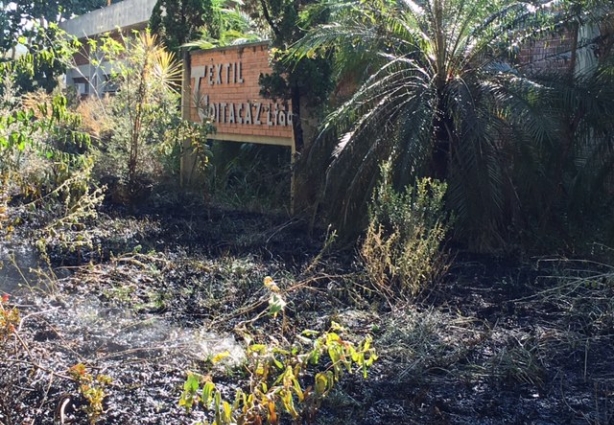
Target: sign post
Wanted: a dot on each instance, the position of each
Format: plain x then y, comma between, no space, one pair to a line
224,86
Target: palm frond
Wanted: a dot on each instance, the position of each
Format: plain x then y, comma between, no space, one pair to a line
434,84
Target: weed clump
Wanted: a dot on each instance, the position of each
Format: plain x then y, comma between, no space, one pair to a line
402,250
9,320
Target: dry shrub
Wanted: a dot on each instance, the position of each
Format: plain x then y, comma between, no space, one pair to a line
402,250
39,102
96,118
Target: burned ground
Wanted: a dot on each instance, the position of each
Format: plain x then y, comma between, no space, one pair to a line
497,342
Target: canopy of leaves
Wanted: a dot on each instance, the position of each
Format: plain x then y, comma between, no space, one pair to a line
179,21
49,50
17,17
31,25
230,25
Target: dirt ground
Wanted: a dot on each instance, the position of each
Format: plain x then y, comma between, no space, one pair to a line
497,342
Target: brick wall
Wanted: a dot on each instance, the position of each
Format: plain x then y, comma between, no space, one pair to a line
550,54
224,84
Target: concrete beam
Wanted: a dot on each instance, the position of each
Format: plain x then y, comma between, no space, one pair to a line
127,15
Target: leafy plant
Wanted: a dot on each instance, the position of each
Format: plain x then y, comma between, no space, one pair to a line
46,170
278,379
184,136
290,380
147,76
92,389
142,129
436,88
178,22
229,24
40,161
47,14
402,249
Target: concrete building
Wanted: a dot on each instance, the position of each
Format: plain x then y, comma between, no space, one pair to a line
124,16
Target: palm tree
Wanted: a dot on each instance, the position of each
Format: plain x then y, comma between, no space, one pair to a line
146,75
438,95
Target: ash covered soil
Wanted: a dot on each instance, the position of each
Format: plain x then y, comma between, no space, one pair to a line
497,342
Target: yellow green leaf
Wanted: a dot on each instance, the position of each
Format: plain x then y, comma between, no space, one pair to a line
323,382
272,413
227,409
220,356
288,401
208,389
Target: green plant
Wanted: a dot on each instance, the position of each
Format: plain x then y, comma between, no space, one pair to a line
402,250
290,380
437,88
179,22
226,24
147,75
142,129
53,172
44,162
194,137
46,14
73,204
92,389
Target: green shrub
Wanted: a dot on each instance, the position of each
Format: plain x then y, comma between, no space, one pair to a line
140,131
92,389
402,250
46,169
283,380
286,379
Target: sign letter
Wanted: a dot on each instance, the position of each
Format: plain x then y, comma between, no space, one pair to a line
231,113
257,117
198,72
248,113
218,79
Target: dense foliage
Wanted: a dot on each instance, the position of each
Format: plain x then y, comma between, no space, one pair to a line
14,17
304,82
178,22
30,26
439,92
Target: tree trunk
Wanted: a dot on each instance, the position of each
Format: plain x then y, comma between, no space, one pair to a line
297,127
440,153
187,162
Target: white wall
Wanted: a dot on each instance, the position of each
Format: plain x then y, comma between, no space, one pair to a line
125,14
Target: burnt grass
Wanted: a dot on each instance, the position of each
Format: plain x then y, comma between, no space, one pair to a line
496,342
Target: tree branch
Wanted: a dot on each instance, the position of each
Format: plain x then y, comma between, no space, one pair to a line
267,17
